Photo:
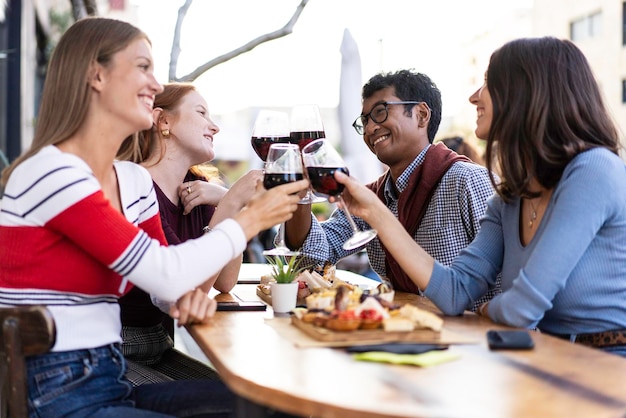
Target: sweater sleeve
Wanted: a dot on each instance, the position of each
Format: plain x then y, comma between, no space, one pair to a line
66,198
165,272
584,200
454,288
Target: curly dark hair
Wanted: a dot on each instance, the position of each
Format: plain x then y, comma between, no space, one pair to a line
547,108
409,86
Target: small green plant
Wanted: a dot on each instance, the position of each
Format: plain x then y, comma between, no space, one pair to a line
284,271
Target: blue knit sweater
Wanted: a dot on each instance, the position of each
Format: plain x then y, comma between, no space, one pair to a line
571,277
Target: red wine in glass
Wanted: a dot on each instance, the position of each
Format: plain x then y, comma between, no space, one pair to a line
261,144
270,127
322,160
283,165
323,180
276,179
302,138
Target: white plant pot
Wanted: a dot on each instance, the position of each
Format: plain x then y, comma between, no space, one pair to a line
284,296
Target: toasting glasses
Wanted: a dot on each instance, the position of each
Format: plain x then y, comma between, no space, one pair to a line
270,127
306,126
283,165
321,161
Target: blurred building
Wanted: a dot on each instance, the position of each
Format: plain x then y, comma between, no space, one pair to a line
474,62
598,27
30,28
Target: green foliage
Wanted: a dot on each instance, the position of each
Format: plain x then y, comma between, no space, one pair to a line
284,271
321,210
60,20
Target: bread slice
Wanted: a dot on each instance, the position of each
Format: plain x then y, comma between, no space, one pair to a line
421,318
398,323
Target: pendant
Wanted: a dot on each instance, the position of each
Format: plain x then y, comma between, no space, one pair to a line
533,216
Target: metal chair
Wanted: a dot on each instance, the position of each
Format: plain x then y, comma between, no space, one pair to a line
26,331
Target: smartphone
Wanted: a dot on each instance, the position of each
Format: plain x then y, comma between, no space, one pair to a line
509,340
235,305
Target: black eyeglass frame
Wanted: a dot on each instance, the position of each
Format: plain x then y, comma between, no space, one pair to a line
360,129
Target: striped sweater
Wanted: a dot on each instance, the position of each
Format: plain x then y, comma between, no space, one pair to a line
63,245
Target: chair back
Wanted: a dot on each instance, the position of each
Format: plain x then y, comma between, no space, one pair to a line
25,331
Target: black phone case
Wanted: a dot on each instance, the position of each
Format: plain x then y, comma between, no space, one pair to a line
509,340
241,306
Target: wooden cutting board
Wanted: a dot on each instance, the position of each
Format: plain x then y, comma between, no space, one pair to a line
264,297
376,335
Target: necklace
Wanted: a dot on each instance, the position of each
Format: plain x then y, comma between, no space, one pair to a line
533,214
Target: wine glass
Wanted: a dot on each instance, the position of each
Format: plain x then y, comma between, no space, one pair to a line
283,165
321,160
306,126
270,127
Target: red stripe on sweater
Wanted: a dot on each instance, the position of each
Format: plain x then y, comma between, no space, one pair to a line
73,251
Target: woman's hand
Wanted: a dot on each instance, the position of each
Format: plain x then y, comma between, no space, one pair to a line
270,207
483,310
242,191
200,192
194,307
363,202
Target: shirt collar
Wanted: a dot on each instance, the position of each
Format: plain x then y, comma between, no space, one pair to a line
403,180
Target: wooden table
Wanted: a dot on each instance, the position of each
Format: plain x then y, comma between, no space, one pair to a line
556,379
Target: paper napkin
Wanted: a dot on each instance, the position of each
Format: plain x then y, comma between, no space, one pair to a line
430,358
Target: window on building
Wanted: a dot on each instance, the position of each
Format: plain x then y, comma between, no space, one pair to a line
595,25
587,27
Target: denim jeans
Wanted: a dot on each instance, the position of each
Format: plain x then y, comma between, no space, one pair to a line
91,383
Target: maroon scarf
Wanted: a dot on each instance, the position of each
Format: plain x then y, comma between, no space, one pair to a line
413,202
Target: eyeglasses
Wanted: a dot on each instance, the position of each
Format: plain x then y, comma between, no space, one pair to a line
378,114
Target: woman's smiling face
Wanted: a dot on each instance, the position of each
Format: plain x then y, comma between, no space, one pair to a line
484,110
194,128
129,86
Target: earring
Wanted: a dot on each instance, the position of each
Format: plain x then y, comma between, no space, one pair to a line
165,132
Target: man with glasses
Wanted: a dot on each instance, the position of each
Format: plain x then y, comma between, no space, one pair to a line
438,195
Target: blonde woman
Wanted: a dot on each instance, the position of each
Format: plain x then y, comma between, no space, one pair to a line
80,229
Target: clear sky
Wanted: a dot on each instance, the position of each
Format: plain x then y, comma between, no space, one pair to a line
304,67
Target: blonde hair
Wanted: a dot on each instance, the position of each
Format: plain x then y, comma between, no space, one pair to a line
66,92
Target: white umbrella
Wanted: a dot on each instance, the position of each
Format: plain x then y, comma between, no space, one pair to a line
362,163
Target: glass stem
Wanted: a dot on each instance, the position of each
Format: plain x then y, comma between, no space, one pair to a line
348,215
281,236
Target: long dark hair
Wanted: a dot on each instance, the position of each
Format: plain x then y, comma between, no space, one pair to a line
547,108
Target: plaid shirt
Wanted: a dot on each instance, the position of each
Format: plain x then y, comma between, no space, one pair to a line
450,223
